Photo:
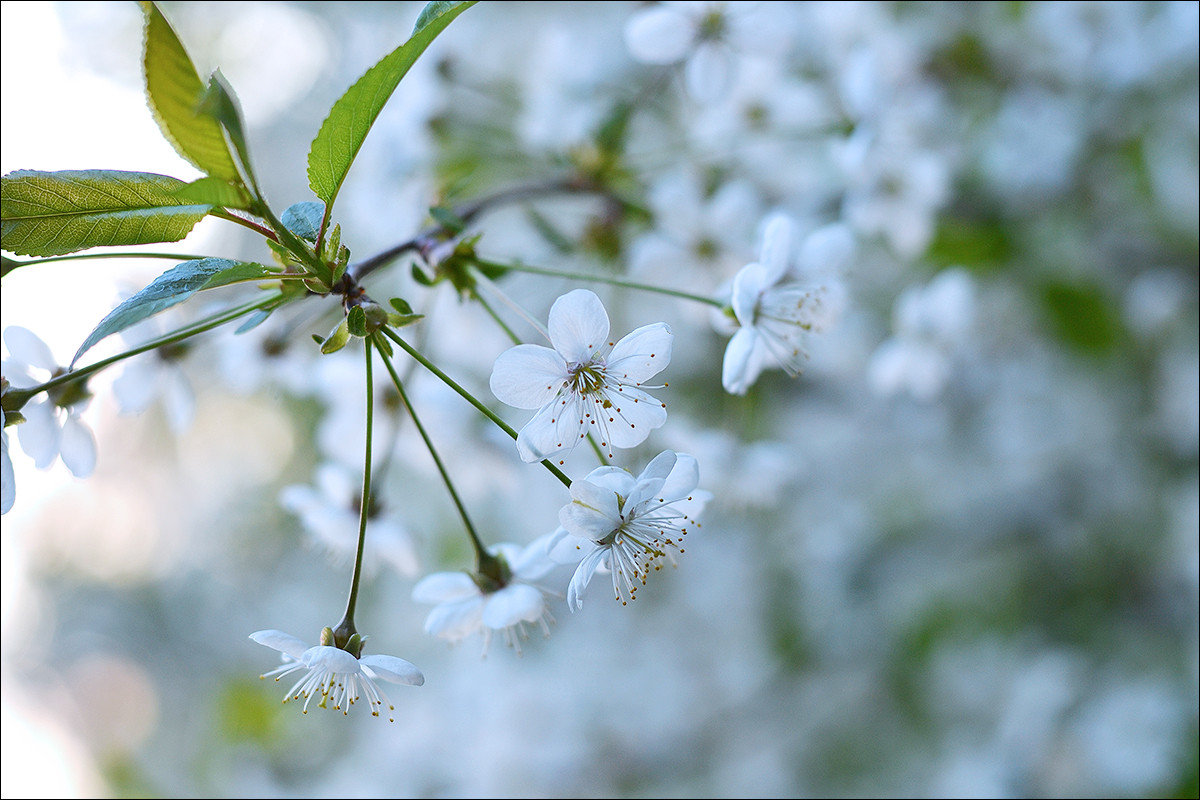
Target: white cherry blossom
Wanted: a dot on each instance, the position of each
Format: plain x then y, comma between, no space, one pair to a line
709,36
53,426
627,526
329,512
931,323
777,301
158,375
467,604
586,383
335,674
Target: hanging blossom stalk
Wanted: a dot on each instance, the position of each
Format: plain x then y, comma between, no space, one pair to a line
335,669
499,594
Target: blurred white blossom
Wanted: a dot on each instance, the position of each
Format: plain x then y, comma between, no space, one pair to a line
53,425
466,603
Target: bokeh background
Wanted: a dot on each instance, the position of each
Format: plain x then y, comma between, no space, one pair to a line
956,557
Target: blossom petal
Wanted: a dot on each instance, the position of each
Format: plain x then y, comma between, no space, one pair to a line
456,620
283,642
737,371
135,387
583,574
517,602
444,587
614,479
659,35
8,483
596,497
566,547
393,669
641,354
78,447
748,285
778,241
578,325
632,416
534,561
592,519
328,657
40,434
708,72
555,428
683,480
659,467
828,249
528,376
25,345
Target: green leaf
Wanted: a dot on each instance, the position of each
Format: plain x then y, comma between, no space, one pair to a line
980,244
400,320
220,103
173,286
304,219
9,264
175,92
253,321
346,127
51,213
356,321
215,192
337,340
401,305
1083,316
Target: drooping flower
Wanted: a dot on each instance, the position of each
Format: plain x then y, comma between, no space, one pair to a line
329,512
156,376
468,603
335,674
53,426
775,307
628,526
586,383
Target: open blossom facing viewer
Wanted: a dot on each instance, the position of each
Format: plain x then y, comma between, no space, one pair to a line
586,383
336,674
470,603
774,309
626,525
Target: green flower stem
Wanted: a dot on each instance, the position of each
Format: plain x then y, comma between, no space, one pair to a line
487,412
167,339
345,628
599,453
480,550
518,267
11,264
